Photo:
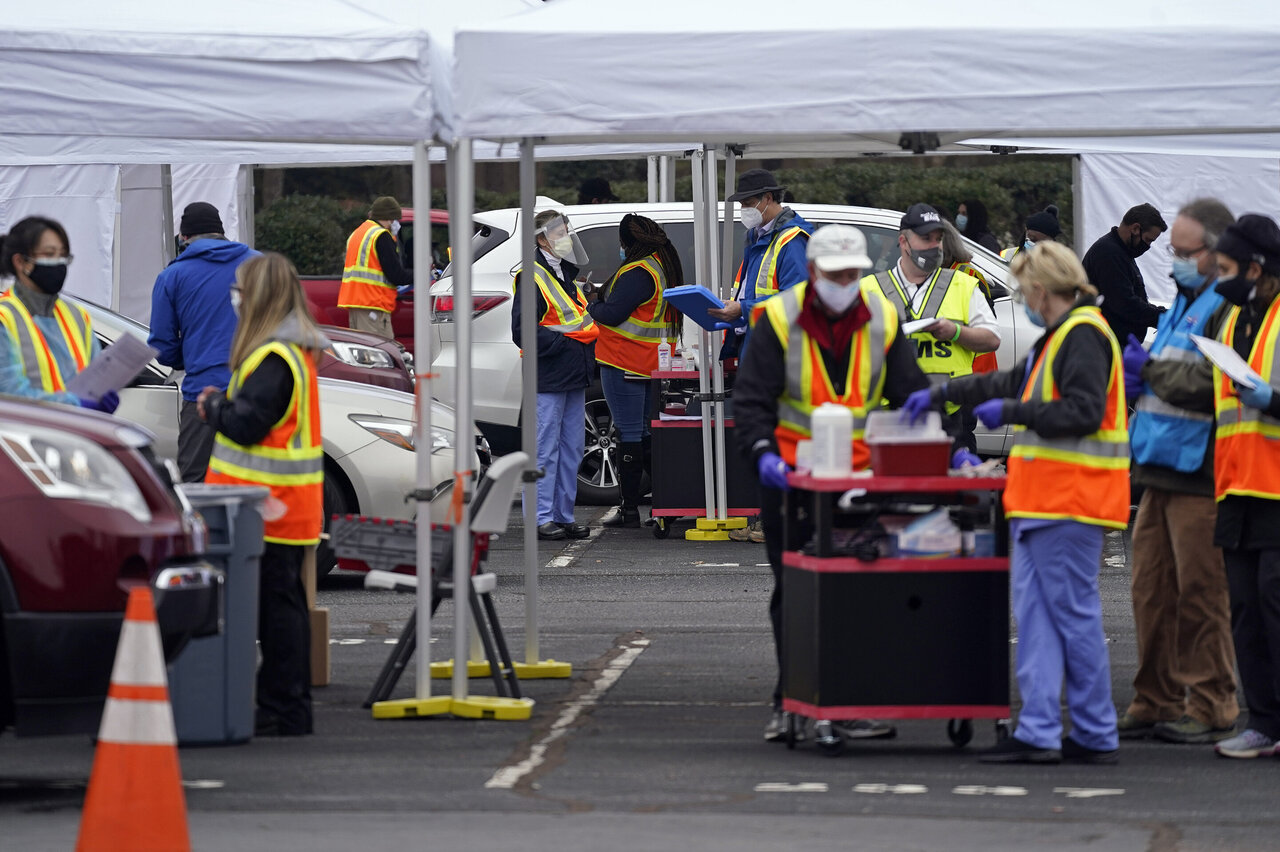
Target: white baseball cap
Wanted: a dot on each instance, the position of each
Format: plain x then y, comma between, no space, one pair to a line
836,247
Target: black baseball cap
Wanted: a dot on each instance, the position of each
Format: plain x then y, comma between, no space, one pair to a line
922,219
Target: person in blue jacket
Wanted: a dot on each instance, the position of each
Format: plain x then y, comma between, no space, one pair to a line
773,256
193,320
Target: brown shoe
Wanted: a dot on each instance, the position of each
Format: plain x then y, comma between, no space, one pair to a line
1132,727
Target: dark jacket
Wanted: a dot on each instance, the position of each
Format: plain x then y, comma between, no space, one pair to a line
389,260
564,364
1113,271
1081,371
192,321
762,377
623,295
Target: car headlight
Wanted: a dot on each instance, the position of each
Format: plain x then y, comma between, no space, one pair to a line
68,467
359,355
400,432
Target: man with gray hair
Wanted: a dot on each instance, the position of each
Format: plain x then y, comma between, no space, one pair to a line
1184,690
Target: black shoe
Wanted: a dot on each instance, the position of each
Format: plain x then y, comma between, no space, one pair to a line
269,725
1076,753
622,516
551,531
575,530
1014,750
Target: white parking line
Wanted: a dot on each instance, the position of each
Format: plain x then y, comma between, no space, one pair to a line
784,787
981,790
896,789
508,776
1088,792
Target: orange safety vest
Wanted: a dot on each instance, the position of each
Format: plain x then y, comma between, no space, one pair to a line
809,385
632,345
767,273
1080,479
290,459
565,314
38,361
1246,455
363,283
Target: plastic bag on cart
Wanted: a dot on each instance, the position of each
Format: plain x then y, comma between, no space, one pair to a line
934,535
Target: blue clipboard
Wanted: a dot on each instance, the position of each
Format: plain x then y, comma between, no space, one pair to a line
694,300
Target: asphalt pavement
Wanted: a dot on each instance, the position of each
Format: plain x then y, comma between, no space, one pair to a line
653,743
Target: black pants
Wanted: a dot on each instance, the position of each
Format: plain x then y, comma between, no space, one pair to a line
771,518
195,443
284,634
1253,578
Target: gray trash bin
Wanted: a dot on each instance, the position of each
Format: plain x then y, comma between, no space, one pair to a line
211,683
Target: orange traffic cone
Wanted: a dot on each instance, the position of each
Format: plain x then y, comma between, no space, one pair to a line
135,800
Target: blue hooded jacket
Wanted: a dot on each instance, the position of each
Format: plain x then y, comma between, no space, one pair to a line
192,321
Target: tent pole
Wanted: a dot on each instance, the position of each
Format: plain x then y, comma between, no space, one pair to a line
1077,206
529,399
461,214
422,389
717,367
168,251
667,178
702,264
654,188
244,186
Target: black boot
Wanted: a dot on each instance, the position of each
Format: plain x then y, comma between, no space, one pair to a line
630,470
647,443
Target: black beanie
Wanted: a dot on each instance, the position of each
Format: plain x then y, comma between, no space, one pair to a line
200,217
1252,238
1046,221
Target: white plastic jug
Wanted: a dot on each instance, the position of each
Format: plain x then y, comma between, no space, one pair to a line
664,356
832,453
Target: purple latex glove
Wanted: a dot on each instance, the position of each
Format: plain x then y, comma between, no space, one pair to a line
991,413
1133,385
1134,357
963,458
109,402
916,405
773,471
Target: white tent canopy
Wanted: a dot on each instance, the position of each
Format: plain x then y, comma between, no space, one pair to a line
832,71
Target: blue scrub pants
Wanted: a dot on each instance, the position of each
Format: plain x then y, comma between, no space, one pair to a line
561,433
628,403
1059,615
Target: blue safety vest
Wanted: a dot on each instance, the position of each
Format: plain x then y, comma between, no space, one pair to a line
1160,433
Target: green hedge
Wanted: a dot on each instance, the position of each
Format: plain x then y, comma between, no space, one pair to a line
309,230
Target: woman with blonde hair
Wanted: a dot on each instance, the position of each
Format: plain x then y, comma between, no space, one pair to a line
1068,484
268,425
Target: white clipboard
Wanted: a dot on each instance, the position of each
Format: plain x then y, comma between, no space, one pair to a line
1227,360
912,326
113,368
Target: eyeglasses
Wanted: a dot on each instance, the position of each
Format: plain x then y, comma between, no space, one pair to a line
1189,254
47,256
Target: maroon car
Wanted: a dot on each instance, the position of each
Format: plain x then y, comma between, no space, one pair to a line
358,356
86,512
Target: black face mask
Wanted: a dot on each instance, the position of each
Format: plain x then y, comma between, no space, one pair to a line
926,259
1137,246
1235,289
48,277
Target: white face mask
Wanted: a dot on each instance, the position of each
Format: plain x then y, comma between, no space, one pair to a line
395,228
235,301
563,247
837,297
752,218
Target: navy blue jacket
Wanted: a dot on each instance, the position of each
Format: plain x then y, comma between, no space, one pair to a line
564,364
192,321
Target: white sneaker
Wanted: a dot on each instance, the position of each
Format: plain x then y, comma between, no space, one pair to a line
1249,743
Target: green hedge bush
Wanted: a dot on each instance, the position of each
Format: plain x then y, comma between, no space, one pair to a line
310,230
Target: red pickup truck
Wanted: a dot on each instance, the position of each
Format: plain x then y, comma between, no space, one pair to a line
322,290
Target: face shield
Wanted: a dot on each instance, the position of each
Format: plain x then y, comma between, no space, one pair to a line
564,241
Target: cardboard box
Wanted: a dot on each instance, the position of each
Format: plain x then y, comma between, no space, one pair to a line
320,663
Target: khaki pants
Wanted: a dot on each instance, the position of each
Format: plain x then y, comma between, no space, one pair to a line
1182,612
373,322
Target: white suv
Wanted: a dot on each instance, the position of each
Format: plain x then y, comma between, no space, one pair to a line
495,359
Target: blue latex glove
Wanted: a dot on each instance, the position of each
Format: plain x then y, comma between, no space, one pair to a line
991,413
773,471
109,402
404,291
1258,397
916,405
963,458
1134,357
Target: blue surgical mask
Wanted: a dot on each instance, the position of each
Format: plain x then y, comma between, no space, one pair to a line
1033,316
1186,275
962,222
1028,244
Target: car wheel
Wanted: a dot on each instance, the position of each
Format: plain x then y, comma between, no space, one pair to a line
336,502
598,473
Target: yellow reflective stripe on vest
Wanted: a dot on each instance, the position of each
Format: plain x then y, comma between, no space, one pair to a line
38,359
74,322
646,330
1233,416
299,463
563,313
363,270
767,274
1107,448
